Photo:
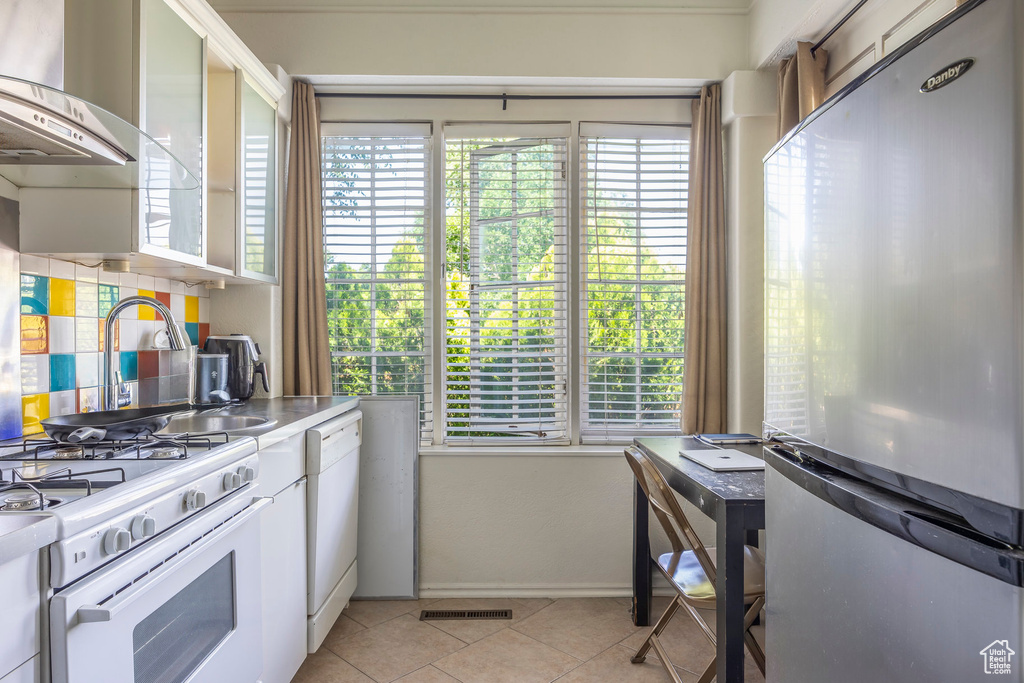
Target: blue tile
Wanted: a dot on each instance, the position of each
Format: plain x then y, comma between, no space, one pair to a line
35,295
193,332
108,296
62,371
129,366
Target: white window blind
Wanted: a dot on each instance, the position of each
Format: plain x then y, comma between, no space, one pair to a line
376,225
506,278
634,194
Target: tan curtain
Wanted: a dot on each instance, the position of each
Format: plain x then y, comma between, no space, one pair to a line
801,85
307,355
704,376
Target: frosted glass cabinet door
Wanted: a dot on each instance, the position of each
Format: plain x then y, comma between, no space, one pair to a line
259,186
172,113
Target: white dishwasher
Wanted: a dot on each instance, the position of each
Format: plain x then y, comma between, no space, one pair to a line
332,502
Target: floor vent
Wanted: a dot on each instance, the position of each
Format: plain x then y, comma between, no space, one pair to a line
436,614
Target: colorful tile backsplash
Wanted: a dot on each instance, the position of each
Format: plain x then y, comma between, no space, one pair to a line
63,311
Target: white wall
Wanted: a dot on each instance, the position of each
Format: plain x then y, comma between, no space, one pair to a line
749,124
493,41
254,310
530,526
872,33
8,190
522,525
776,26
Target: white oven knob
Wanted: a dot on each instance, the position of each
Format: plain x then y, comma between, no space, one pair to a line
116,540
247,473
195,499
232,480
143,526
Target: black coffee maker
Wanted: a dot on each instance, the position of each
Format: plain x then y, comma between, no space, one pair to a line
243,363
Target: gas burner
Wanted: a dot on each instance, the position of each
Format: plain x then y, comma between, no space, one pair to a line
27,501
165,452
69,453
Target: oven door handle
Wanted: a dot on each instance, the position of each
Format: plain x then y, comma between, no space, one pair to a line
108,611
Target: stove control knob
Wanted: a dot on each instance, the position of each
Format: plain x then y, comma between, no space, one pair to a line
247,473
195,499
116,540
232,480
143,526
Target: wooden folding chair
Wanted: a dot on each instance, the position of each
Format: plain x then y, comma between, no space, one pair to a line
690,570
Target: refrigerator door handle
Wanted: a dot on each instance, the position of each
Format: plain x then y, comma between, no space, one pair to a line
929,528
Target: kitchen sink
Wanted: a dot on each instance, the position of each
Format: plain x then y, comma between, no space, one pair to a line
198,423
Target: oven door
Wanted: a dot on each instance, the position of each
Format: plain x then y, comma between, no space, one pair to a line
185,607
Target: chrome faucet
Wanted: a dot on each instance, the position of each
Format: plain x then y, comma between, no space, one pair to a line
117,394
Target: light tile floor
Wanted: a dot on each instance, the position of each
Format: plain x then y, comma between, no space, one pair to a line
571,640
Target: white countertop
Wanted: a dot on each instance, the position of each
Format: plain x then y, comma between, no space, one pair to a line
24,533
290,415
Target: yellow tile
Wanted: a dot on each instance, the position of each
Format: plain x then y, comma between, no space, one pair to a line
103,334
34,337
33,409
191,309
62,297
147,312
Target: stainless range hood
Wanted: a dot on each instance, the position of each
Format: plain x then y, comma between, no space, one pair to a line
49,138
43,126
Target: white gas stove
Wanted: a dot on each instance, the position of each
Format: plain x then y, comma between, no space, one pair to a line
112,496
156,557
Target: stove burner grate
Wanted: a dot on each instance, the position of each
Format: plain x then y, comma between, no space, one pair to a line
69,453
28,500
166,452
25,487
143,447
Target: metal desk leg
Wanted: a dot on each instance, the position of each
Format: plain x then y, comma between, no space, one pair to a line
729,589
641,559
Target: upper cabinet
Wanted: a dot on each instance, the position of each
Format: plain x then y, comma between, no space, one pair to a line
243,168
258,234
174,69
172,111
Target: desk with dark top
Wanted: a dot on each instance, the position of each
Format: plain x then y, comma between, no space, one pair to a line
735,500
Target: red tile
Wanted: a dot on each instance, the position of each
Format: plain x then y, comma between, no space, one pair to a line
165,299
149,364
204,332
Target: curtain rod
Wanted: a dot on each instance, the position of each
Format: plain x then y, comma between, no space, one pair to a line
838,26
503,97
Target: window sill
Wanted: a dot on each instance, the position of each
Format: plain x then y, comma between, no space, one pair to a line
525,451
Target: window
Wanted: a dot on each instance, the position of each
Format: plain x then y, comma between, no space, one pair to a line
634,189
551,324
505,266
376,219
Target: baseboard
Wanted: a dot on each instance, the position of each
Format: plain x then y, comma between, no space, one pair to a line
486,590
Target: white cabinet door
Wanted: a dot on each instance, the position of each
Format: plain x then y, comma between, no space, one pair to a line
172,111
284,584
258,232
19,627
29,672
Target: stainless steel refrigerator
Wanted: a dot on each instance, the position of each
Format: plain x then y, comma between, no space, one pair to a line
895,367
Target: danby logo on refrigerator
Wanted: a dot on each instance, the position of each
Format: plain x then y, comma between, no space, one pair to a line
947,75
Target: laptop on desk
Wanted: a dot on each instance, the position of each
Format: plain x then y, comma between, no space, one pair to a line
723,459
